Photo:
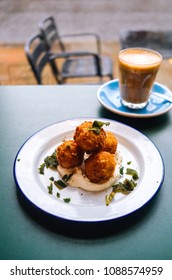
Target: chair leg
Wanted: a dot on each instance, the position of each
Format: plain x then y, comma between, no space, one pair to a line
55,72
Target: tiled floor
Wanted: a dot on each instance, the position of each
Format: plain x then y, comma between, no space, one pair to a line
14,69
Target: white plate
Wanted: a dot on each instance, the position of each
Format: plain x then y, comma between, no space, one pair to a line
87,206
108,95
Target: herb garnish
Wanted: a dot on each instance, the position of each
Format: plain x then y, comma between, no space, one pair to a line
124,187
97,125
67,177
121,171
133,173
50,188
58,194
60,184
51,178
41,168
66,200
51,161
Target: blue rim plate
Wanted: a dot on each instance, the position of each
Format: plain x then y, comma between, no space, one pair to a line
85,206
108,95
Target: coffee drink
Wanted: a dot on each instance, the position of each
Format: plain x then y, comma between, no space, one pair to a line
137,71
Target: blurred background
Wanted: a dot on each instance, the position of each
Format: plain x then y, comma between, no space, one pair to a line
108,18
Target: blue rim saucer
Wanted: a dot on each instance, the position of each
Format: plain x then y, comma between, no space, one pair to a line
108,95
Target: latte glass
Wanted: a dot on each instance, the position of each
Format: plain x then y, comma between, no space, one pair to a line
138,68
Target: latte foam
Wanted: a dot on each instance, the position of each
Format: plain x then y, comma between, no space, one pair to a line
140,56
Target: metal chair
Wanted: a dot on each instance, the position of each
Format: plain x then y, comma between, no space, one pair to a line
77,64
38,57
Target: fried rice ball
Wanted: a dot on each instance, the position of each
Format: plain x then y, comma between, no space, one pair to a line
88,139
111,143
99,167
69,155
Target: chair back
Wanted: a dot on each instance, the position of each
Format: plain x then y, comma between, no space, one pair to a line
38,57
50,33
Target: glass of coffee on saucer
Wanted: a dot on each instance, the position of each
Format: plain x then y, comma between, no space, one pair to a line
138,68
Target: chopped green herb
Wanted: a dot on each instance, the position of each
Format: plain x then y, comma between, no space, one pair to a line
121,171
66,200
110,197
67,177
129,162
60,184
97,125
120,187
133,173
126,187
41,168
129,185
51,178
50,188
58,194
18,159
51,161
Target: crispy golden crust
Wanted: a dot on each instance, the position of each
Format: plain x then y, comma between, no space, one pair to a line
87,139
69,155
111,143
99,167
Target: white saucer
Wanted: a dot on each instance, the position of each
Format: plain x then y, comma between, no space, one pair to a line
108,95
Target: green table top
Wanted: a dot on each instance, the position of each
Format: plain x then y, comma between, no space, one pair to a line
27,233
